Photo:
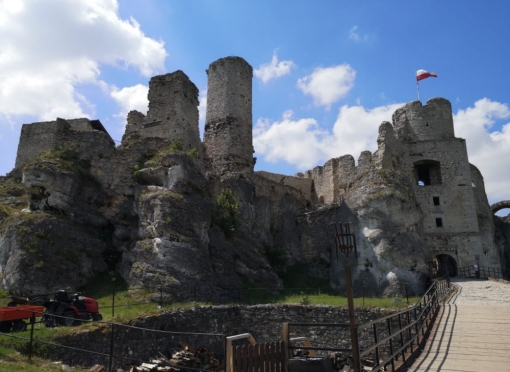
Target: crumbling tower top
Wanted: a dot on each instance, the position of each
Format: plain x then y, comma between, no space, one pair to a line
415,122
173,112
228,124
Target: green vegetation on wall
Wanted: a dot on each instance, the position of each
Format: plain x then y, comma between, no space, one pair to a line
226,212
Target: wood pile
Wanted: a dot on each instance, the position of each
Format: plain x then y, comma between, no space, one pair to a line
189,356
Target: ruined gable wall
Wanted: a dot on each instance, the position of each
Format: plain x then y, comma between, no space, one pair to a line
389,149
37,137
173,110
304,185
135,121
90,143
228,124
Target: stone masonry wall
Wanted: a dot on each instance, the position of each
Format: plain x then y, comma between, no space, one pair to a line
264,322
37,137
457,205
228,124
415,122
173,112
304,185
272,190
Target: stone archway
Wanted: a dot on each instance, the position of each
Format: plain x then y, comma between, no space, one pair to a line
496,207
446,264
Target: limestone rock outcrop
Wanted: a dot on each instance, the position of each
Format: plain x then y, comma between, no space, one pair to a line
166,209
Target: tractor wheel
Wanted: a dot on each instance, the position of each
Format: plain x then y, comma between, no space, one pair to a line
19,326
97,317
5,327
69,318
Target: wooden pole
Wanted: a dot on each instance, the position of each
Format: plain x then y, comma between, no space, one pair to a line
352,319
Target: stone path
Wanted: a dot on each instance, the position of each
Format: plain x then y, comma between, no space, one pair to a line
471,332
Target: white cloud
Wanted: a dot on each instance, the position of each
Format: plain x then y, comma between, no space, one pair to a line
354,35
48,48
305,144
202,108
328,85
131,98
488,149
273,69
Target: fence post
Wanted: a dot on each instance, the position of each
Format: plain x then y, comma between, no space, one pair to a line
376,340
407,294
285,339
111,348
161,296
402,340
388,323
32,322
113,303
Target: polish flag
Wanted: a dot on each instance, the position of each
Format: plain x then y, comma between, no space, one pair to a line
422,74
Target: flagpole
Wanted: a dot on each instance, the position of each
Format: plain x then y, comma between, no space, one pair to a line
418,89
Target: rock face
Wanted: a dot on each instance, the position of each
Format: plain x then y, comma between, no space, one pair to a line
165,209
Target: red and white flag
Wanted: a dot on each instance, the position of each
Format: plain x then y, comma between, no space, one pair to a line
422,74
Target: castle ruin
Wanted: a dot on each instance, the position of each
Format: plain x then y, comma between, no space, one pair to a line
420,169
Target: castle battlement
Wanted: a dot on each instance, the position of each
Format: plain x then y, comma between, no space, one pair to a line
433,121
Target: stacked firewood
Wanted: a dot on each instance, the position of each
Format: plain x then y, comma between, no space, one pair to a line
189,356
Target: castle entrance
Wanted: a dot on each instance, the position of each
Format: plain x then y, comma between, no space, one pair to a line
446,264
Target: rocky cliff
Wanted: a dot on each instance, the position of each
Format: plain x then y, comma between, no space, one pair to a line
165,209
148,211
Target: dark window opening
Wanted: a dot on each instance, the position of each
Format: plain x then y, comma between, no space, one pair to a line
439,222
427,172
436,200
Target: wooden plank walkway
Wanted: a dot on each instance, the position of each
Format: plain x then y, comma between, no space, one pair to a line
467,338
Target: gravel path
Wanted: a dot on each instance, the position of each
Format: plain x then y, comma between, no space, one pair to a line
481,292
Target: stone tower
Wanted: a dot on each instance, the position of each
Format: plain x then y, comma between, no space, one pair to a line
228,124
415,122
173,112
445,187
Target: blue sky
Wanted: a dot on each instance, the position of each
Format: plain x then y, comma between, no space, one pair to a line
326,73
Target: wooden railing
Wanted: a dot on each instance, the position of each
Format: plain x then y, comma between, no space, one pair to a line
395,335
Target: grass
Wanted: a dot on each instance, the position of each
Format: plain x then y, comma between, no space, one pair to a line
13,350
12,360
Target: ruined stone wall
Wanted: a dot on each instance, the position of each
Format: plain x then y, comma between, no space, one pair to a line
37,137
135,121
415,122
228,124
304,185
264,322
77,133
334,179
491,256
457,207
274,191
173,112
389,149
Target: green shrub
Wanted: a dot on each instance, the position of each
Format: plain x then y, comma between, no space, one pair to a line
193,153
226,212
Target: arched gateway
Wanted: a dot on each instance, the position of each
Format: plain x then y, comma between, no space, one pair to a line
496,207
446,264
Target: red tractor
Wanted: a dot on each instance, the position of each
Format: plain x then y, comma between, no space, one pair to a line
62,310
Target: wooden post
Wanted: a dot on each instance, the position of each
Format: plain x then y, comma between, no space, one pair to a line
352,319
286,344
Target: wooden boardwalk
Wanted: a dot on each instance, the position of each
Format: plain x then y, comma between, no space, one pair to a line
467,338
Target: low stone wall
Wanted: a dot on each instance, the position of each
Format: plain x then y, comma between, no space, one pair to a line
264,322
